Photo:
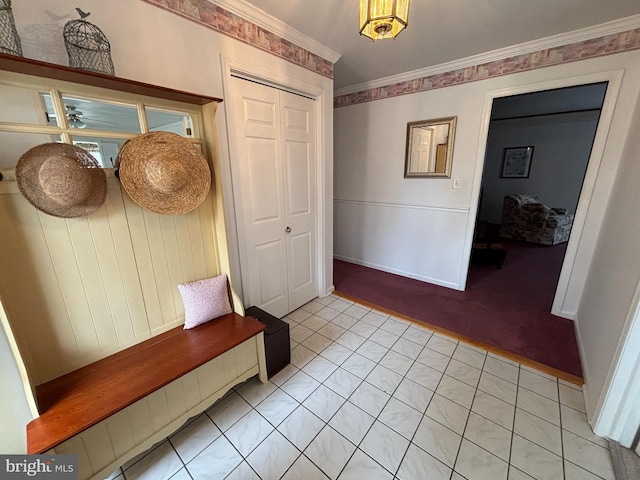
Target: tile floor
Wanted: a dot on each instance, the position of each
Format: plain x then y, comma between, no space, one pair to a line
368,396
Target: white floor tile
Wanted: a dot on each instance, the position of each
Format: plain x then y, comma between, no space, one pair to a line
417,334
358,365
254,391
498,387
327,313
419,465
217,461
437,440
195,437
469,356
369,398
336,353
350,340
494,409
324,402
301,427
345,321
301,355
372,350
316,322
160,464
425,376
343,382
538,405
362,466
457,391
248,432
394,326
375,319
572,398
317,342
277,406
539,431
502,369
285,374
433,359
182,474
413,394
363,329
356,311
340,304
535,460
441,345
475,463
330,451
576,422
273,457
488,435
352,422
320,368
313,306
407,348
300,386
588,455
300,333
574,472
396,362
515,474
539,384
448,413
242,472
385,379
384,338
299,315
331,331
463,372
228,411
303,468
385,445
400,417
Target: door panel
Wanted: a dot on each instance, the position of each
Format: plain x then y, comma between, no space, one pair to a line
274,160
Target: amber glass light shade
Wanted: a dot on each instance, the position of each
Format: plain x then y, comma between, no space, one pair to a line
383,18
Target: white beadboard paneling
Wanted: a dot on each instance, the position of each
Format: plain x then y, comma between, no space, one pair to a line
119,426
191,389
158,408
98,446
197,244
176,399
75,446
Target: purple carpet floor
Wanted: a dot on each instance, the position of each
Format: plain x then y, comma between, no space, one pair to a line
507,308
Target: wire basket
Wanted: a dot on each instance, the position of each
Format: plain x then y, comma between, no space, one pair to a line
9,40
88,47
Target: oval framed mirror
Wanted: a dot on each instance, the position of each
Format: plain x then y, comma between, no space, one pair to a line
430,148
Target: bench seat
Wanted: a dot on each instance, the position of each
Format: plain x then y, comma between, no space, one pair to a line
80,400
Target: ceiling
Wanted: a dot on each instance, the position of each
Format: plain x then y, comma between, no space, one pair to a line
438,31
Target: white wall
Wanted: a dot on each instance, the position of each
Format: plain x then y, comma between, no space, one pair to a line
562,145
369,159
154,46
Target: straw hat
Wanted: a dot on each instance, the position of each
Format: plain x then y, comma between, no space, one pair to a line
164,172
62,180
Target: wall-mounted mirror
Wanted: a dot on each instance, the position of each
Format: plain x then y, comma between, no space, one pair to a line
430,148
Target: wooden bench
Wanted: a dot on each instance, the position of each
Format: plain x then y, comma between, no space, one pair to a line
111,410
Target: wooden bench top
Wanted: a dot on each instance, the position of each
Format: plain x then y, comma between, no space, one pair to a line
78,400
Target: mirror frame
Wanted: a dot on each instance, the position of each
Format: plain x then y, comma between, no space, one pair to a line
451,122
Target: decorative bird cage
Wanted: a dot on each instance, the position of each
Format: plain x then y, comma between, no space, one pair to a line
87,46
9,40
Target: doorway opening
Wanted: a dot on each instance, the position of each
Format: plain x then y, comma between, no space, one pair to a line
537,153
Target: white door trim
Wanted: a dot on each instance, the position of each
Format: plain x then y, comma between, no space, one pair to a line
617,415
582,239
241,68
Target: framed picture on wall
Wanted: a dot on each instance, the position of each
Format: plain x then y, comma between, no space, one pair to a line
517,162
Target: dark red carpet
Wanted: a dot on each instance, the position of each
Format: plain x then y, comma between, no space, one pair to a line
507,308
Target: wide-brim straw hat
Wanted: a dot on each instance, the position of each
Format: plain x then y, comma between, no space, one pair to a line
164,172
62,180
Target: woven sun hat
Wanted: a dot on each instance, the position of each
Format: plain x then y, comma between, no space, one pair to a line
62,180
164,172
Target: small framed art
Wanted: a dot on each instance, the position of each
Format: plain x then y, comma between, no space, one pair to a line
517,162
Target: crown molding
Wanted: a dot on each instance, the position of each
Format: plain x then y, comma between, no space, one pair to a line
273,25
601,30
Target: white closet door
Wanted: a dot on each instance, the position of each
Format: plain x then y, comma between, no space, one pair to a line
299,150
274,137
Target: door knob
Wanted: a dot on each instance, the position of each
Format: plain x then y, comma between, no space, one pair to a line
288,229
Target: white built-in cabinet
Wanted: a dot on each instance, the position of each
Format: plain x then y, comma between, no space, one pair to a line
273,151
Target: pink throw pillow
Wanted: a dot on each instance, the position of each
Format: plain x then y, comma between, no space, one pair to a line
204,300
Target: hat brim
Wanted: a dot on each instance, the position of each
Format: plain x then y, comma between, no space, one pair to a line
149,150
27,171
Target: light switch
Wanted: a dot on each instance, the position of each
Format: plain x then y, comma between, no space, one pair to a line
456,183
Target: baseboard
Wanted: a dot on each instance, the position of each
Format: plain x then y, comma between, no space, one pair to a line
383,268
626,463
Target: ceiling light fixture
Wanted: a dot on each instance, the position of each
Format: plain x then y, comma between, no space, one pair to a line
76,123
383,18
